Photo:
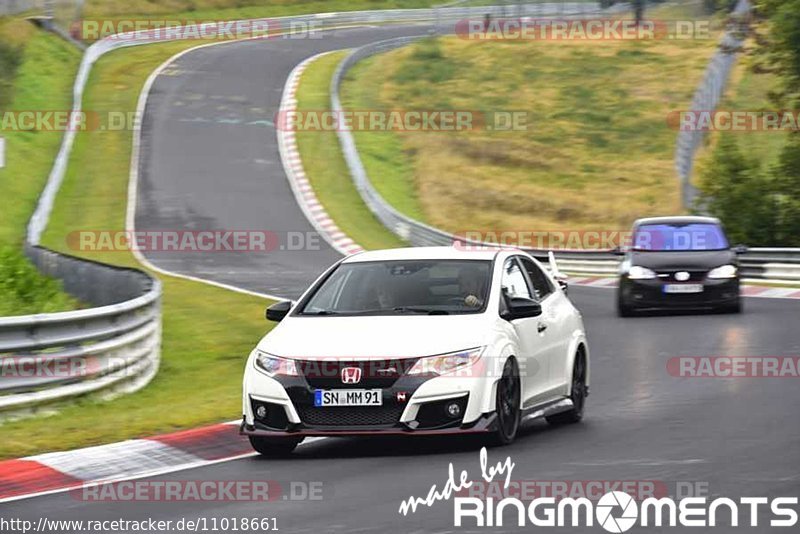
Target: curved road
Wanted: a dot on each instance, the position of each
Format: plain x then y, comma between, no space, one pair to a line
737,437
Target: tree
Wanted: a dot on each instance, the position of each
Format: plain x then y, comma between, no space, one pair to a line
734,189
638,10
786,175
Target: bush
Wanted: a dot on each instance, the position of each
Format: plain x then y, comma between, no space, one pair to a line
757,207
25,290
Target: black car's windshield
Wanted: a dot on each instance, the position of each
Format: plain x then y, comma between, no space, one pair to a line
679,237
403,287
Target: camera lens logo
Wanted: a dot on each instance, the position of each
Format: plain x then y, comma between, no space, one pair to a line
607,504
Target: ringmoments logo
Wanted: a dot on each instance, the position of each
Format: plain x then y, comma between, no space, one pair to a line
615,511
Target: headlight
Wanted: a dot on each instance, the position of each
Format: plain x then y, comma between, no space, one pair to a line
640,273
273,365
726,271
446,363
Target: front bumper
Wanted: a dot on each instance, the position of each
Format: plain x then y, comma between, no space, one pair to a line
410,405
485,423
642,294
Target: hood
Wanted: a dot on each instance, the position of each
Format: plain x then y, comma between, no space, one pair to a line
375,337
703,260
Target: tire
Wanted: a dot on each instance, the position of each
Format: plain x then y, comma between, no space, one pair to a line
273,447
577,395
507,405
735,307
623,308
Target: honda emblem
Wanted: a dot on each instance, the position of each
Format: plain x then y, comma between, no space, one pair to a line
351,375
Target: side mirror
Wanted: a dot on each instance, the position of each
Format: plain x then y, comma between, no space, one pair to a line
279,310
521,307
740,249
618,251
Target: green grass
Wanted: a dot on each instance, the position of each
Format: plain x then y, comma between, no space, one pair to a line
40,78
598,152
384,156
325,166
207,331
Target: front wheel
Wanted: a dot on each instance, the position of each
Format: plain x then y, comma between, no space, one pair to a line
507,402
734,307
623,308
577,395
273,447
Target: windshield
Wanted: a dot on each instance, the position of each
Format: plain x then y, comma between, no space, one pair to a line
433,287
680,237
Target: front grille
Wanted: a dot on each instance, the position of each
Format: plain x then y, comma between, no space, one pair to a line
350,415
327,374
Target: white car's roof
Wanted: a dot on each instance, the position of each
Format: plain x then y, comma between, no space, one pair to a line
426,253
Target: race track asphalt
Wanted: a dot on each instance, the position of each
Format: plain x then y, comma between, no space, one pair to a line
210,161
737,437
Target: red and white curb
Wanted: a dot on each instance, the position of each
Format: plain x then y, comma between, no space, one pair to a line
747,290
138,458
303,192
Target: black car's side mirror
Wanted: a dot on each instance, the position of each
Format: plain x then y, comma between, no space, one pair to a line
520,308
279,310
740,249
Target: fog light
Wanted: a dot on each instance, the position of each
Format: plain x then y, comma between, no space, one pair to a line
453,409
261,411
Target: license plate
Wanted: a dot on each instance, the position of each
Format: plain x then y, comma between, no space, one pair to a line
348,397
683,288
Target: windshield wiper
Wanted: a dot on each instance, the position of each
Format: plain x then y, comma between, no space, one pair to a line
429,311
321,312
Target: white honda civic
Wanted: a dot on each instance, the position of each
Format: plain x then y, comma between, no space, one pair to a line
415,341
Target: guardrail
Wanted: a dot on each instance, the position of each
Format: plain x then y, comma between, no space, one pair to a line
778,265
707,98
113,348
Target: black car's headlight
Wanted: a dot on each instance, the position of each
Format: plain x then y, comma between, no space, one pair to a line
637,272
726,271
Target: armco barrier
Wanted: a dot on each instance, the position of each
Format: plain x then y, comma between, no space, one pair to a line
707,98
778,265
112,348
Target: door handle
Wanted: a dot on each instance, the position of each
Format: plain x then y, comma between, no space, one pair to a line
541,327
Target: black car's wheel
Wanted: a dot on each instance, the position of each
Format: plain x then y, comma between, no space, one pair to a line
577,395
623,308
735,307
507,404
273,447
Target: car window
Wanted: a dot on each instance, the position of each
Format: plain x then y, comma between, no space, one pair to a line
541,284
513,281
679,237
395,287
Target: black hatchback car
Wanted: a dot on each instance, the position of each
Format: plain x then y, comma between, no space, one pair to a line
679,262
